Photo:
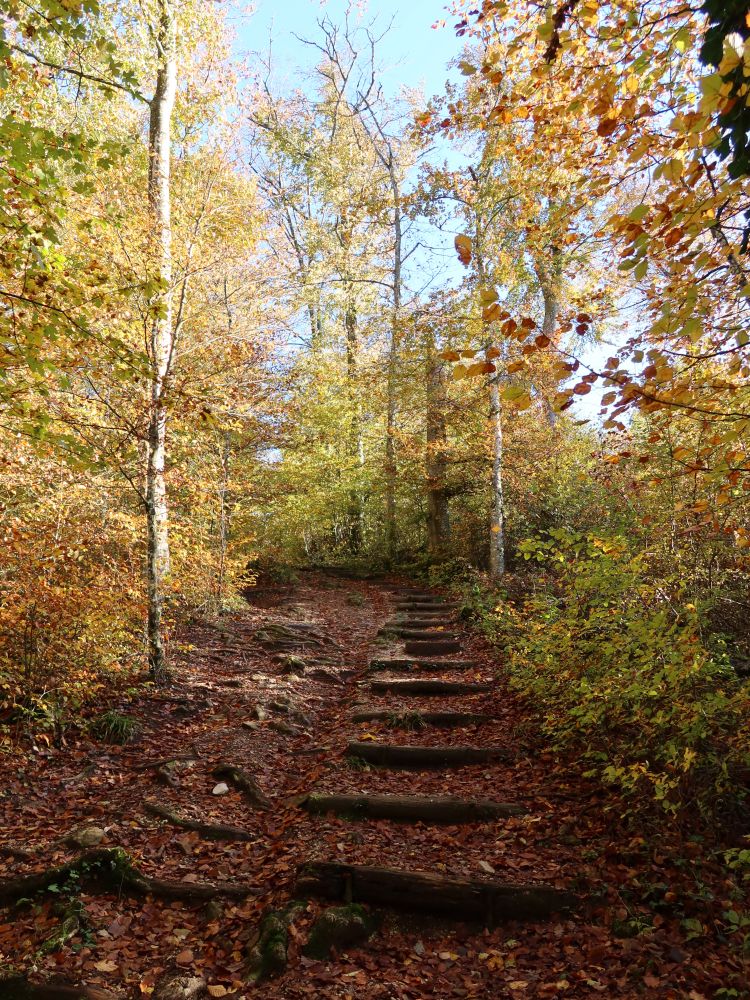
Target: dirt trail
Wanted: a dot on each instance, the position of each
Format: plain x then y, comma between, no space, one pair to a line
245,707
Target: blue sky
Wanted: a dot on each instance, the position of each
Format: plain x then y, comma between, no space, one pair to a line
413,53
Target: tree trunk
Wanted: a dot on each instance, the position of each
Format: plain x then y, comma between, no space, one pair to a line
356,447
497,521
393,356
549,283
438,523
161,343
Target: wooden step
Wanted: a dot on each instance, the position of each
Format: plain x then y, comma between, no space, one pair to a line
409,666
412,808
460,898
405,719
432,647
422,758
427,685
426,606
423,634
438,622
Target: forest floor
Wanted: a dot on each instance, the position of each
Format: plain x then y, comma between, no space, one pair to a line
649,917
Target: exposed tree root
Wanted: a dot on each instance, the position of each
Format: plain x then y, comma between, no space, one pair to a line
18,988
111,867
211,831
244,782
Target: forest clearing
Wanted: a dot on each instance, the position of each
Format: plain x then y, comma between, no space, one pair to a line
375,577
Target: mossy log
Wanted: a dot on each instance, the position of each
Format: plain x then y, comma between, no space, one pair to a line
417,757
337,928
412,808
268,952
432,647
462,899
403,719
243,781
427,686
211,831
112,868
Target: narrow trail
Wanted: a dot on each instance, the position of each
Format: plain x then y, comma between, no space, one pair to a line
288,762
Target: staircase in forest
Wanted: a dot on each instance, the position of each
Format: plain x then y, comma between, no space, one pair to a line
426,625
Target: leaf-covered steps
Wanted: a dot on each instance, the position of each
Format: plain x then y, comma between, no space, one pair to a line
405,719
438,606
426,686
412,808
418,758
410,665
462,899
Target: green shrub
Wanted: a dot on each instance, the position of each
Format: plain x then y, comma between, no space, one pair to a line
616,661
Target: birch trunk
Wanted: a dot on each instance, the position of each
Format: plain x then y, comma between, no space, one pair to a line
497,522
393,355
158,560
438,522
356,446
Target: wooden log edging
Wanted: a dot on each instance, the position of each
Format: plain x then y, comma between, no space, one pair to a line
431,647
419,757
409,665
463,899
410,719
411,808
427,686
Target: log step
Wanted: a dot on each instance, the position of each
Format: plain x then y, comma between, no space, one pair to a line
427,606
462,899
422,758
437,622
427,685
432,647
431,634
405,719
408,666
412,808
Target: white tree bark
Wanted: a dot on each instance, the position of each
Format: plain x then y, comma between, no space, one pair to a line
161,340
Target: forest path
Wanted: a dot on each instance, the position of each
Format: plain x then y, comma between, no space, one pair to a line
210,799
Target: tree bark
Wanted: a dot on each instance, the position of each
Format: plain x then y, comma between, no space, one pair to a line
356,446
438,521
497,521
161,342
549,284
393,357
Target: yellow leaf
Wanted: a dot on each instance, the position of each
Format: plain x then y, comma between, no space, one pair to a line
459,372
488,295
217,991
369,736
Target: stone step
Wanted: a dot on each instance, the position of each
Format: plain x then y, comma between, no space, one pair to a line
405,719
459,898
412,808
432,647
427,685
411,666
418,758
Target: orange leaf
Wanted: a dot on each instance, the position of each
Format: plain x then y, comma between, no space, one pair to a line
463,247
